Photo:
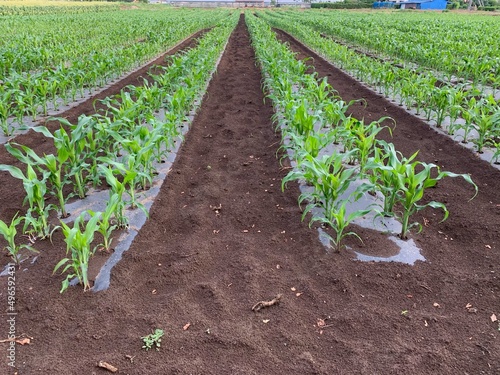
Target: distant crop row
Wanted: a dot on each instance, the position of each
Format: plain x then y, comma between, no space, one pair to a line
34,8
49,60
461,45
465,108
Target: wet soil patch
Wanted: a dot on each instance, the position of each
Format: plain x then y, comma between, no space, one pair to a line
222,237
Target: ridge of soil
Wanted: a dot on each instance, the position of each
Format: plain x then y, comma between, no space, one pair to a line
195,263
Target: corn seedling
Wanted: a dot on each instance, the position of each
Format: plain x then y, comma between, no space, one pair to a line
78,244
144,146
495,144
384,170
9,232
338,220
48,163
5,110
302,121
440,103
456,101
396,177
328,177
106,226
335,112
413,189
72,147
130,177
118,189
36,190
469,114
486,121
313,143
363,138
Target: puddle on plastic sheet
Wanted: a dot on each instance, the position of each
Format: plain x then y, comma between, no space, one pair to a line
408,253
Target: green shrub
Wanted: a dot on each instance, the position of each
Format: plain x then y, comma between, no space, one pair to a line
344,5
489,8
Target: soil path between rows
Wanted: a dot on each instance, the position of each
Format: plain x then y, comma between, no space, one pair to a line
222,236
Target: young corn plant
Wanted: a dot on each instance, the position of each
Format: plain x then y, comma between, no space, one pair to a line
338,220
106,225
78,245
180,101
413,189
319,93
36,221
327,175
494,143
41,86
5,110
94,148
456,103
125,108
334,112
8,232
404,181
72,147
104,140
440,102
144,146
48,163
313,143
130,176
486,121
363,139
420,88
383,170
302,121
330,179
118,189
469,114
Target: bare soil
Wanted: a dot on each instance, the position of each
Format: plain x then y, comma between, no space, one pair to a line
197,273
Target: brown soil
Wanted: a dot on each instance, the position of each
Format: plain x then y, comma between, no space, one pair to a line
190,265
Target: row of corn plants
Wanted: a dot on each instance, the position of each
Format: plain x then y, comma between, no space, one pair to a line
38,7
467,110
458,45
313,119
119,146
45,64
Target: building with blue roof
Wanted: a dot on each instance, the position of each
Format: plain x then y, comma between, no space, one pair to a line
413,4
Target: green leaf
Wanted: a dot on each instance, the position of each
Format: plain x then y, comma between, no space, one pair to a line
14,171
